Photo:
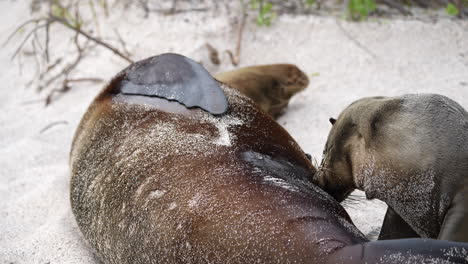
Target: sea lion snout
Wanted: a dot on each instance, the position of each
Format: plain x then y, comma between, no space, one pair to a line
296,81
333,184
335,173
318,179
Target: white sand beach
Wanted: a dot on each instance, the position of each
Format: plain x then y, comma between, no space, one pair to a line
345,61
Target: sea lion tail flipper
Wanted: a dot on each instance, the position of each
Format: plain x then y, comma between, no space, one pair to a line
394,227
177,78
413,250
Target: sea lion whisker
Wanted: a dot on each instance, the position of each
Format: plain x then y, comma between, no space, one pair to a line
314,162
329,170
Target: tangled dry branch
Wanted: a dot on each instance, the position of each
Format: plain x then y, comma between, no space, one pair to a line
56,75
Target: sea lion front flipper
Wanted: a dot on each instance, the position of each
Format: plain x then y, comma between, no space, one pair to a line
174,77
455,225
394,227
412,250
269,86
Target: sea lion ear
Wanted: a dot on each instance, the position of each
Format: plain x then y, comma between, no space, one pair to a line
174,77
332,120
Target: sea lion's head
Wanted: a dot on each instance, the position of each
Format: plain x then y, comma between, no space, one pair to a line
293,81
269,86
350,145
286,81
335,174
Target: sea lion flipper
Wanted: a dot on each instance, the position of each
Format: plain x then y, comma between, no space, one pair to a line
455,225
410,250
394,227
174,77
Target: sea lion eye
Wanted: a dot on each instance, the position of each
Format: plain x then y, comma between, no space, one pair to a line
332,120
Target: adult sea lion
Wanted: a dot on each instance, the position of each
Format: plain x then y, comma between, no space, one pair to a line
156,182
269,86
410,152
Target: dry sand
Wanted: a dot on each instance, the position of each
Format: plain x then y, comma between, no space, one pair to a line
347,61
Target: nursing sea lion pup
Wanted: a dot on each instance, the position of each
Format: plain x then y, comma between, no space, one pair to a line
269,86
156,182
410,152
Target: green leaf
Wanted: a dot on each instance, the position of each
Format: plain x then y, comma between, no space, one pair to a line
314,74
267,7
265,14
57,10
452,10
260,20
254,4
360,9
310,2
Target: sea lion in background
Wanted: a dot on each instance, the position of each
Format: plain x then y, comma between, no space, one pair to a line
269,86
410,152
156,182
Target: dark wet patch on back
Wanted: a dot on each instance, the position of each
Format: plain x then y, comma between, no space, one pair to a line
174,77
279,168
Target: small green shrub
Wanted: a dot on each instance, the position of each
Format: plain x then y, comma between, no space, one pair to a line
265,12
360,9
310,2
452,10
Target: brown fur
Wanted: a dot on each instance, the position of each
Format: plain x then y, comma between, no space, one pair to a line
155,182
269,86
409,152
140,197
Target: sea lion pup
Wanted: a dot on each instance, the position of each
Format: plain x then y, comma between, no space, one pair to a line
270,86
408,151
156,182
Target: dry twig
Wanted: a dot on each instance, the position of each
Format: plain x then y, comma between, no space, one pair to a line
88,36
214,56
49,126
235,59
48,74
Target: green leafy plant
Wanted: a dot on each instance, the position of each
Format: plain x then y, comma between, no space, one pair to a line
452,10
310,2
266,14
360,9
